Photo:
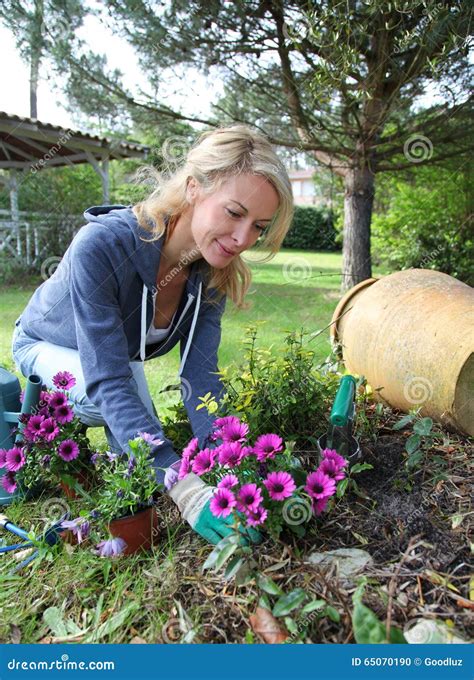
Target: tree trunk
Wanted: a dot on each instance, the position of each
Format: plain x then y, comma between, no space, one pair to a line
358,203
36,48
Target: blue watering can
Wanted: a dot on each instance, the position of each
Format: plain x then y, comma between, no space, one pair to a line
10,410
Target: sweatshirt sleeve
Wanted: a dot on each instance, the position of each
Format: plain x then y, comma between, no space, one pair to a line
96,261
199,373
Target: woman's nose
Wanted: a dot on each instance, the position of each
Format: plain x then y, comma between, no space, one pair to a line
243,234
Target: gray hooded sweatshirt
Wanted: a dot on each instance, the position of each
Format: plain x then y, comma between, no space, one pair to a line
100,301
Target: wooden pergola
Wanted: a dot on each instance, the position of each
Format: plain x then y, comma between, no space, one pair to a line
29,145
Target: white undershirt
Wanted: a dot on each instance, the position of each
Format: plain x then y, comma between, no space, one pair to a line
157,334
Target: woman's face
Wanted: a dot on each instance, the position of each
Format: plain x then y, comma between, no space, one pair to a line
230,220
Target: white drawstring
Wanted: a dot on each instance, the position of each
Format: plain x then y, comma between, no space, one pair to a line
191,332
143,330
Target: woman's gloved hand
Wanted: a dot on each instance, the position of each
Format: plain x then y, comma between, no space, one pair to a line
192,496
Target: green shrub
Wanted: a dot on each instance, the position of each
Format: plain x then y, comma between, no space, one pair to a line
425,222
312,229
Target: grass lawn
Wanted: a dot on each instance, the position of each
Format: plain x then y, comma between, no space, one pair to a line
414,524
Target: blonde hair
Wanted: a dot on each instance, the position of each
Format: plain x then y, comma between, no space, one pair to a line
215,157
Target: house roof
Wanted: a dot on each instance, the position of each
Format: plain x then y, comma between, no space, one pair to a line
30,143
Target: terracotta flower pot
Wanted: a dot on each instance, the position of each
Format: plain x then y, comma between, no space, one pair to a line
139,531
85,480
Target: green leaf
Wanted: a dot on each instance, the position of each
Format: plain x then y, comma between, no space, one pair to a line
287,603
53,618
214,555
332,613
264,601
342,487
359,467
268,585
423,426
311,606
413,443
225,554
368,629
414,459
291,625
406,420
233,567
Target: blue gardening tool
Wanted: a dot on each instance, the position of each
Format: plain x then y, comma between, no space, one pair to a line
339,435
10,410
51,537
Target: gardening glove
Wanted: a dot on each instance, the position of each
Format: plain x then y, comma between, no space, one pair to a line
193,496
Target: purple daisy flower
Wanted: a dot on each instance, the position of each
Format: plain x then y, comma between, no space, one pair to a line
44,411
49,429
112,547
150,439
221,423
191,448
266,446
230,454
331,469
64,380
3,458
222,503
234,431
57,399
15,459
32,430
204,462
319,485
184,468
228,482
8,482
68,450
258,517
249,498
63,414
319,505
280,485
225,421
332,454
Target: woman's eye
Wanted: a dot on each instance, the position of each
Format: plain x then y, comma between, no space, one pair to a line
232,213
260,228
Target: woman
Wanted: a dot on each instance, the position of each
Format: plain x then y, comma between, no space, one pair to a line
135,281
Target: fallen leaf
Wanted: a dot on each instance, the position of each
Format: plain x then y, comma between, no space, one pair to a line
137,640
268,627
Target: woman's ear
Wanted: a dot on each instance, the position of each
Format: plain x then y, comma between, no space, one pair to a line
192,189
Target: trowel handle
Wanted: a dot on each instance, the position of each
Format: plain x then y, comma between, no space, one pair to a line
343,406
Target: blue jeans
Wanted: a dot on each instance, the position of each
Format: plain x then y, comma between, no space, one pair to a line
45,359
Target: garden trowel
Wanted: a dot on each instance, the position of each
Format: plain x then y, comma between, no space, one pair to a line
339,435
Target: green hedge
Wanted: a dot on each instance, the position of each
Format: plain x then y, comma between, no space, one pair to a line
312,229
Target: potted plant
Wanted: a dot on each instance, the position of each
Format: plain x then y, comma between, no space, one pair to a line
124,505
52,446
